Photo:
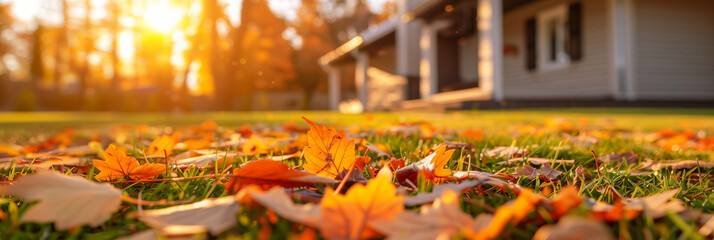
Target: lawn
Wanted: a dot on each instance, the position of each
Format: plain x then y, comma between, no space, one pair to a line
510,174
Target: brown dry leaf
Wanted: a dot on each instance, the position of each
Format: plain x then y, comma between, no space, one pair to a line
267,173
707,222
328,152
201,161
117,164
684,164
213,215
277,200
657,206
439,221
68,201
574,228
630,157
351,216
464,186
539,161
159,145
546,173
506,152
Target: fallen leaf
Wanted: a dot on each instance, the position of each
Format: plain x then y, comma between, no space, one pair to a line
612,213
464,186
277,200
506,152
657,206
566,200
159,145
539,161
255,145
433,165
117,164
213,215
68,201
361,162
351,216
328,152
546,173
143,235
676,165
574,228
629,157
267,173
510,213
439,221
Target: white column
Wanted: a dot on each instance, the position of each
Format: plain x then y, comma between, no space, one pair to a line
428,72
361,77
623,76
490,51
333,87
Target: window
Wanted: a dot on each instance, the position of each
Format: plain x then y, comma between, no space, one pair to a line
553,38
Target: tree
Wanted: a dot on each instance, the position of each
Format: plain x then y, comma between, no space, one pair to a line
263,55
316,41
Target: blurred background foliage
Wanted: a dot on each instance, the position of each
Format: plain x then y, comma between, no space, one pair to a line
173,55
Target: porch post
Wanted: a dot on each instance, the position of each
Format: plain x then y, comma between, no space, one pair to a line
428,83
490,51
623,76
361,77
333,87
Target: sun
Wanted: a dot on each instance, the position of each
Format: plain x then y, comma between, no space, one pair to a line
161,16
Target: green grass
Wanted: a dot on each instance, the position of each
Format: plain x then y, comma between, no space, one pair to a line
500,129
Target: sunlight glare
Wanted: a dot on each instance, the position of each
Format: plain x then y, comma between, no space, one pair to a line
161,16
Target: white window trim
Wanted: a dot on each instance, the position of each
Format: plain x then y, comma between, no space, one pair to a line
562,58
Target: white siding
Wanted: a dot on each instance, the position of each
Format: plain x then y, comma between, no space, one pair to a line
674,53
385,89
588,78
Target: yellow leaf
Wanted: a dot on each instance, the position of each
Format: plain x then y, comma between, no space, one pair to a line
440,159
68,201
328,152
350,216
117,164
255,145
157,147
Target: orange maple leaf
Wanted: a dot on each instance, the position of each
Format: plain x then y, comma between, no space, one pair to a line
349,216
328,152
509,213
117,164
268,173
157,147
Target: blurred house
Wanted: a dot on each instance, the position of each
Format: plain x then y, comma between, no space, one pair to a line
452,53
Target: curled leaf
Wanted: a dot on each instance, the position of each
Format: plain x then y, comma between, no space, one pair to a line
268,173
212,215
68,201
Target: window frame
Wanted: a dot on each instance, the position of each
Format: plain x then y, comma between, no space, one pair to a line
544,18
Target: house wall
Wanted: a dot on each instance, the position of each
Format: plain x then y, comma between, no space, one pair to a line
587,78
674,49
385,89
